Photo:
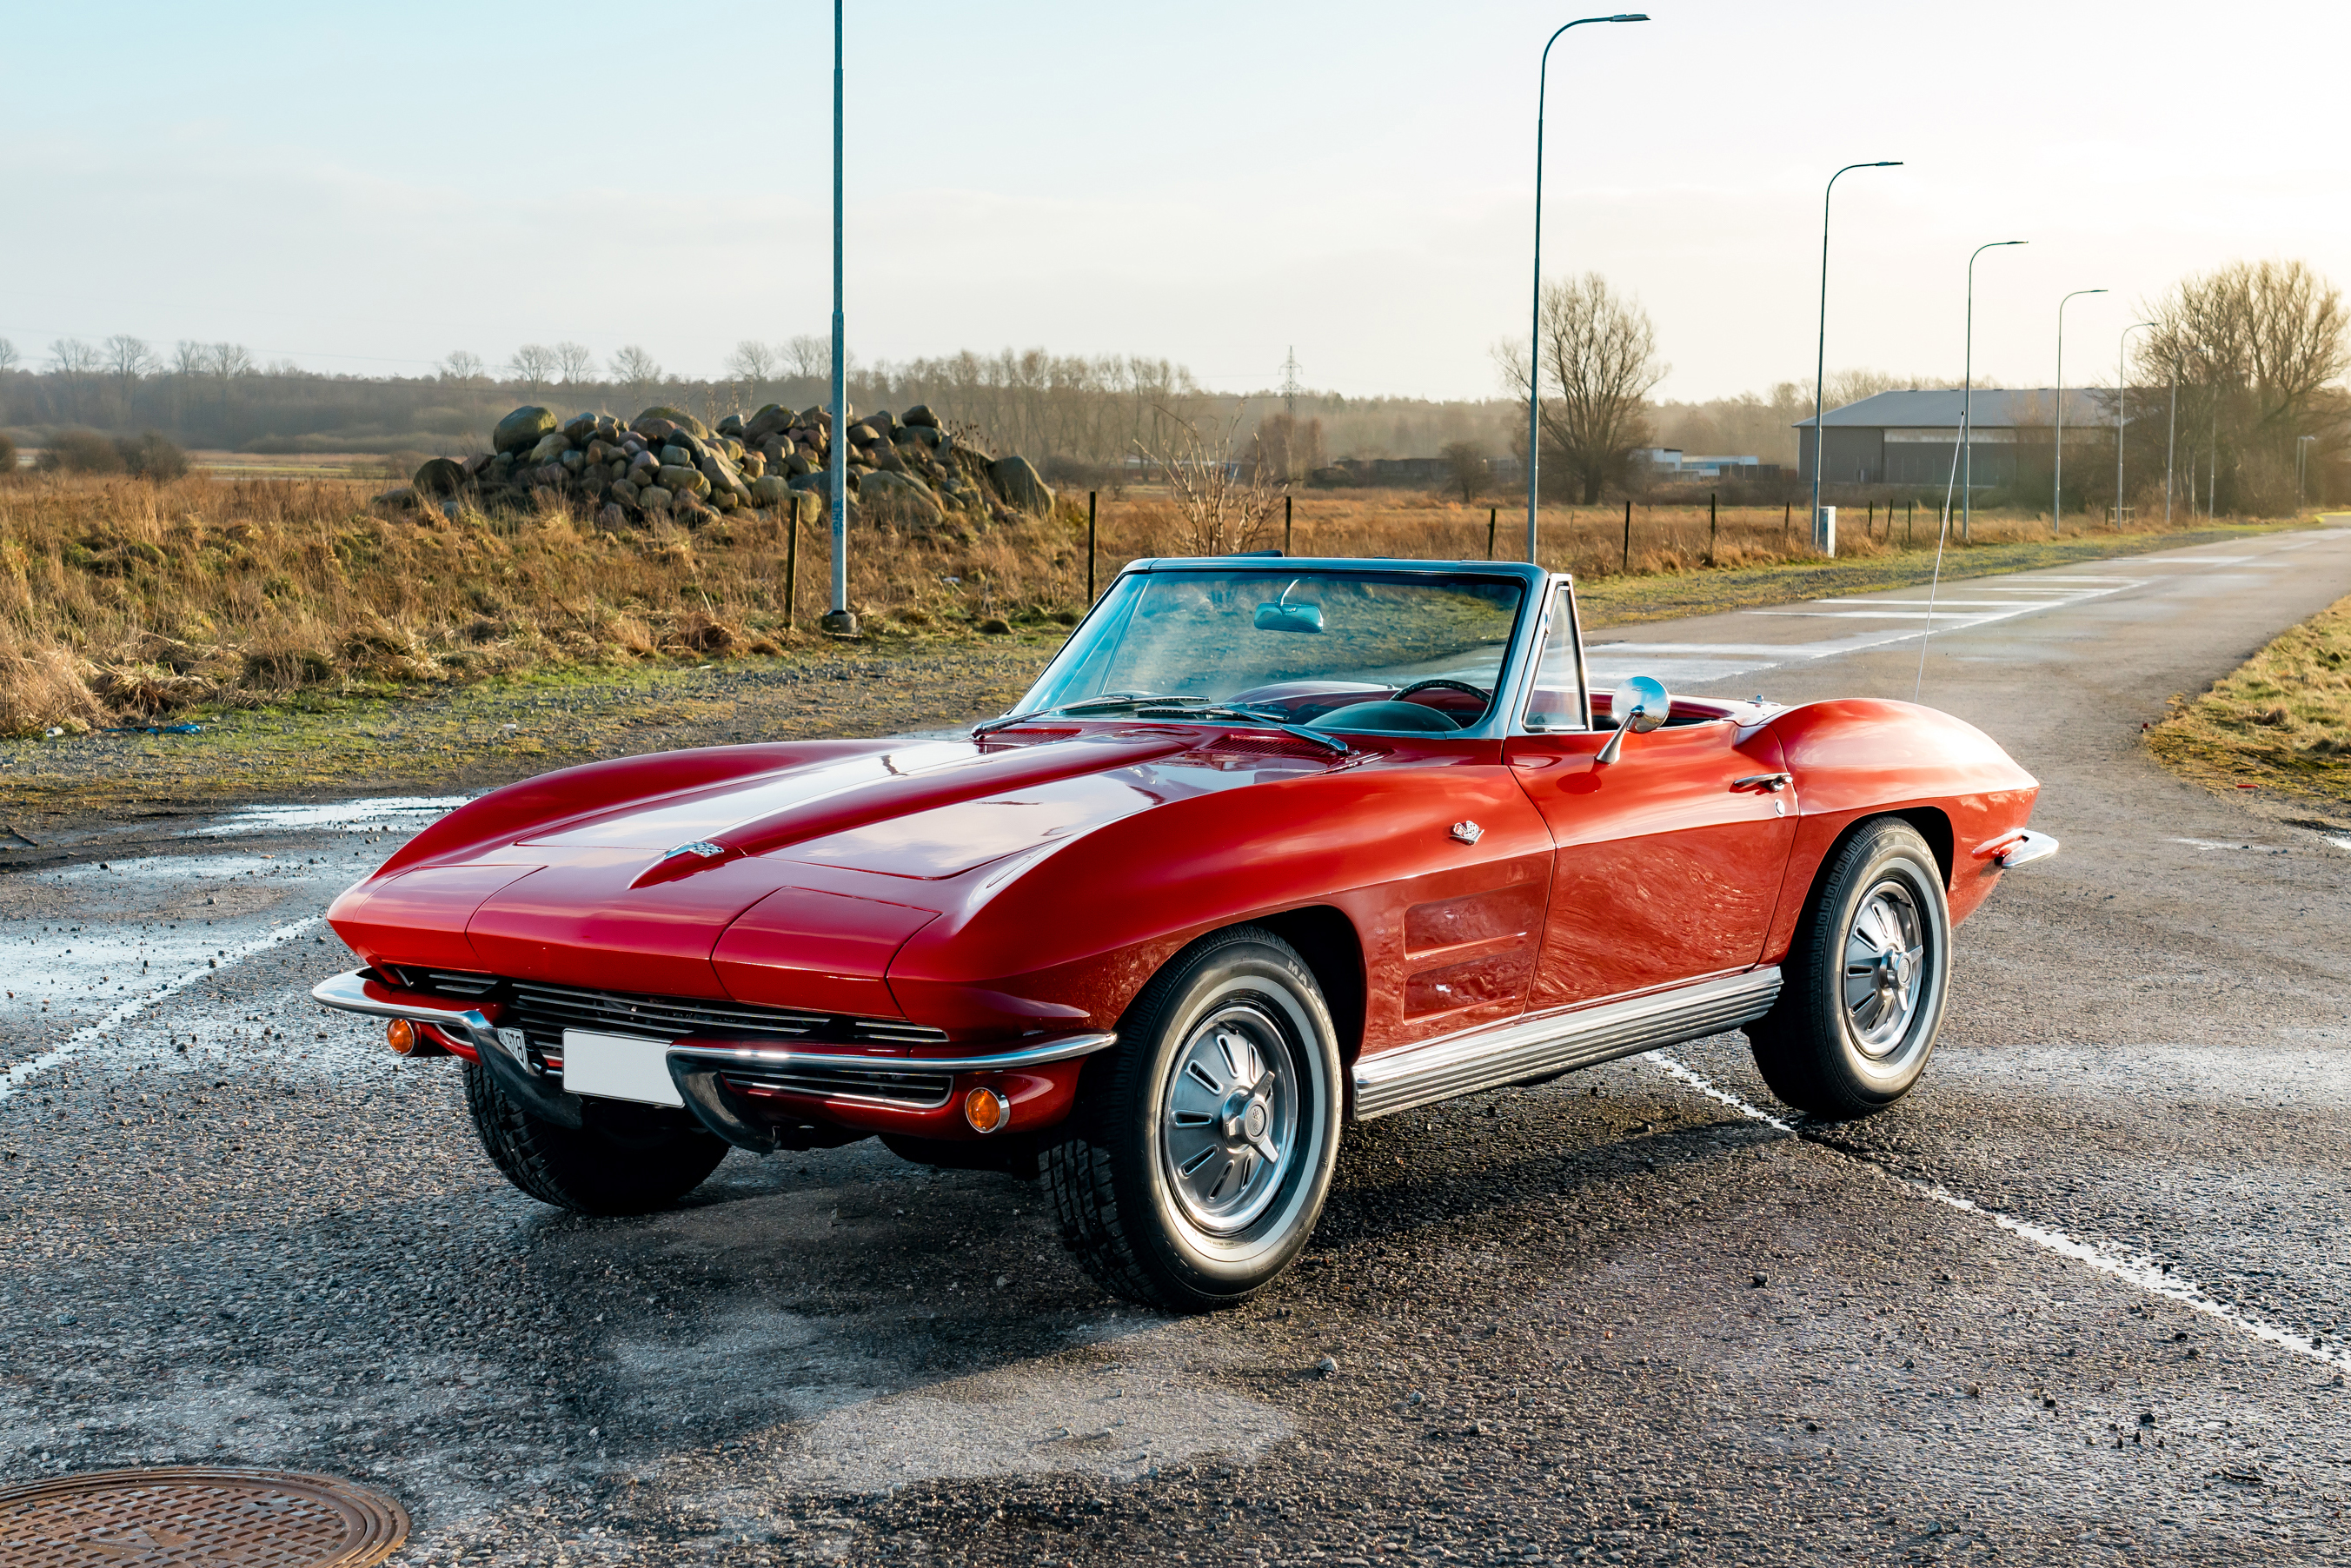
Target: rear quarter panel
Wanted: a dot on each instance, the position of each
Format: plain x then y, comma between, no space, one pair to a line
1864,756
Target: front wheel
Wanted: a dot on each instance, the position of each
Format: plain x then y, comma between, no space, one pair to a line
633,1160
1201,1156
1865,979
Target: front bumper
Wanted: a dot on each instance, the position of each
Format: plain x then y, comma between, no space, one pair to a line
730,1085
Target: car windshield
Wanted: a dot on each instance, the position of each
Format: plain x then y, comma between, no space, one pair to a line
1352,650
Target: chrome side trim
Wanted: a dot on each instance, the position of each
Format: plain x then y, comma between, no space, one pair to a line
2030,847
1527,1049
1067,1047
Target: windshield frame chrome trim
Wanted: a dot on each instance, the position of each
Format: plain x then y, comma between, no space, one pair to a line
1512,678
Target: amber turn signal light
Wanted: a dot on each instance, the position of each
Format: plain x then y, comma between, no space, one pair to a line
401,1036
986,1110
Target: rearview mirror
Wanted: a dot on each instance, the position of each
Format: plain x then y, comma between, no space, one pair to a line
1638,707
1289,618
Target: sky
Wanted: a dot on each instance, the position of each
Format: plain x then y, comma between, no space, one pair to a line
368,189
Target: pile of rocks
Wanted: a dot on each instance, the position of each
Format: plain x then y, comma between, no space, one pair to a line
907,471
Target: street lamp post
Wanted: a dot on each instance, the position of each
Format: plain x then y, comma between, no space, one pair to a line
2122,390
1534,327
1821,541
2170,440
2057,487
1967,400
839,619
2300,443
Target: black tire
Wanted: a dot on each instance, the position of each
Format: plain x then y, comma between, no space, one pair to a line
1132,1184
1854,1025
634,1162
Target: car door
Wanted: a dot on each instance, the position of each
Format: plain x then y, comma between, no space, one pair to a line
1668,858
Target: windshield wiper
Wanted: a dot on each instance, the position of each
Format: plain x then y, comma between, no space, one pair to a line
1204,709
1084,705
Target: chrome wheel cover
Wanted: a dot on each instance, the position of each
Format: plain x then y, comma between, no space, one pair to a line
1886,970
1228,1128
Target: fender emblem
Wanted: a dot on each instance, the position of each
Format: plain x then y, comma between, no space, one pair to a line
1467,832
701,847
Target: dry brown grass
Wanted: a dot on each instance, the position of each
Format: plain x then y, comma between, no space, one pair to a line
124,601
2281,720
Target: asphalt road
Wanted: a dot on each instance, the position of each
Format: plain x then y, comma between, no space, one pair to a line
2077,1299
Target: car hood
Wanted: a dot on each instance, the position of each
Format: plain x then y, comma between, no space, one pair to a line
792,883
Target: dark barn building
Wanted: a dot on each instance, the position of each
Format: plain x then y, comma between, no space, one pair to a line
1910,437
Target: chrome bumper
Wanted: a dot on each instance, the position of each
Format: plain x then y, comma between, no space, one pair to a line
694,1065
2027,848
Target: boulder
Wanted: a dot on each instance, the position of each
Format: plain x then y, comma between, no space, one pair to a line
549,447
521,430
655,497
579,429
1017,480
921,417
881,421
675,455
439,478
885,497
676,477
770,421
653,431
677,420
731,425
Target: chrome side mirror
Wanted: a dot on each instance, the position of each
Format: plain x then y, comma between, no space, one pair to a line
1640,705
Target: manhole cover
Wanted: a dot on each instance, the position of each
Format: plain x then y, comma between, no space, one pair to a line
203,1518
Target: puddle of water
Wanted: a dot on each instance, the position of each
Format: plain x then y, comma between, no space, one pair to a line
395,813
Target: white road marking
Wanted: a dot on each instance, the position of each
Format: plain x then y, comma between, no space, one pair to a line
2146,1272
123,1011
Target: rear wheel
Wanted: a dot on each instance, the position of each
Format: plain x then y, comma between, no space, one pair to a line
1864,980
631,1160
1201,1156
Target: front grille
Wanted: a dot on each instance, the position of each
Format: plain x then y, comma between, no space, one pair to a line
544,1011
920,1090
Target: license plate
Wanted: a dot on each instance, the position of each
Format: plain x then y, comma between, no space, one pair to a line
617,1067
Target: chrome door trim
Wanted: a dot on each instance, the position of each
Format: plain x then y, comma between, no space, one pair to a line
1523,1050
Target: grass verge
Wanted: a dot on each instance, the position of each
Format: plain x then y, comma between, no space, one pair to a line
2280,722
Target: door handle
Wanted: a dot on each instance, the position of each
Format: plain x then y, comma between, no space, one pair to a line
1769,783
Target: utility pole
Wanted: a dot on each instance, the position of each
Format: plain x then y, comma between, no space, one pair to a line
1289,382
2057,486
837,620
2122,389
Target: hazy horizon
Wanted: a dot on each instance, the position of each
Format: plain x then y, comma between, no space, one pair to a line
369,192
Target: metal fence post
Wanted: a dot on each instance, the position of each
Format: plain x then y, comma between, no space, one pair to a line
1626,564
1285,526
1493,514
1713,525
1089,549
792,565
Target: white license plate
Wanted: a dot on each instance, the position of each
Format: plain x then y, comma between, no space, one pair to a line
619,1066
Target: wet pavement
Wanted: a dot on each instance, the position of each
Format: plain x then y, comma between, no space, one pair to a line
2075,1300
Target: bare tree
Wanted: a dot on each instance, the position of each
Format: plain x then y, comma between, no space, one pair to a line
461,366
635,370
572,362
1601,352
752,362
1465,465
7,355
72,357
534,366
2257,346
128,358
229,360
807,355
190,358
1224,505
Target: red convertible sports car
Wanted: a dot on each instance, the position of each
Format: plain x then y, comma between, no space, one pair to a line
1271,846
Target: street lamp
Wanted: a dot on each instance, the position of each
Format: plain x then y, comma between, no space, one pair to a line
1821,352
1967,401
2299,442
2122,390
2171,441
1534,329
838,619
2057,490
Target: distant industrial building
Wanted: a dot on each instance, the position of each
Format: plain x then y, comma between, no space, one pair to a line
1673,463
1910,437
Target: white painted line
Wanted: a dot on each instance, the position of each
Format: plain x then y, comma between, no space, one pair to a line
2146,1272
1962,603
124,1012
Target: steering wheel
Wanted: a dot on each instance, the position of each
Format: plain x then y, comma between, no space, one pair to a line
1485,699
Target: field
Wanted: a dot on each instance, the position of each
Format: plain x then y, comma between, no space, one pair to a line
2280,722
125,603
